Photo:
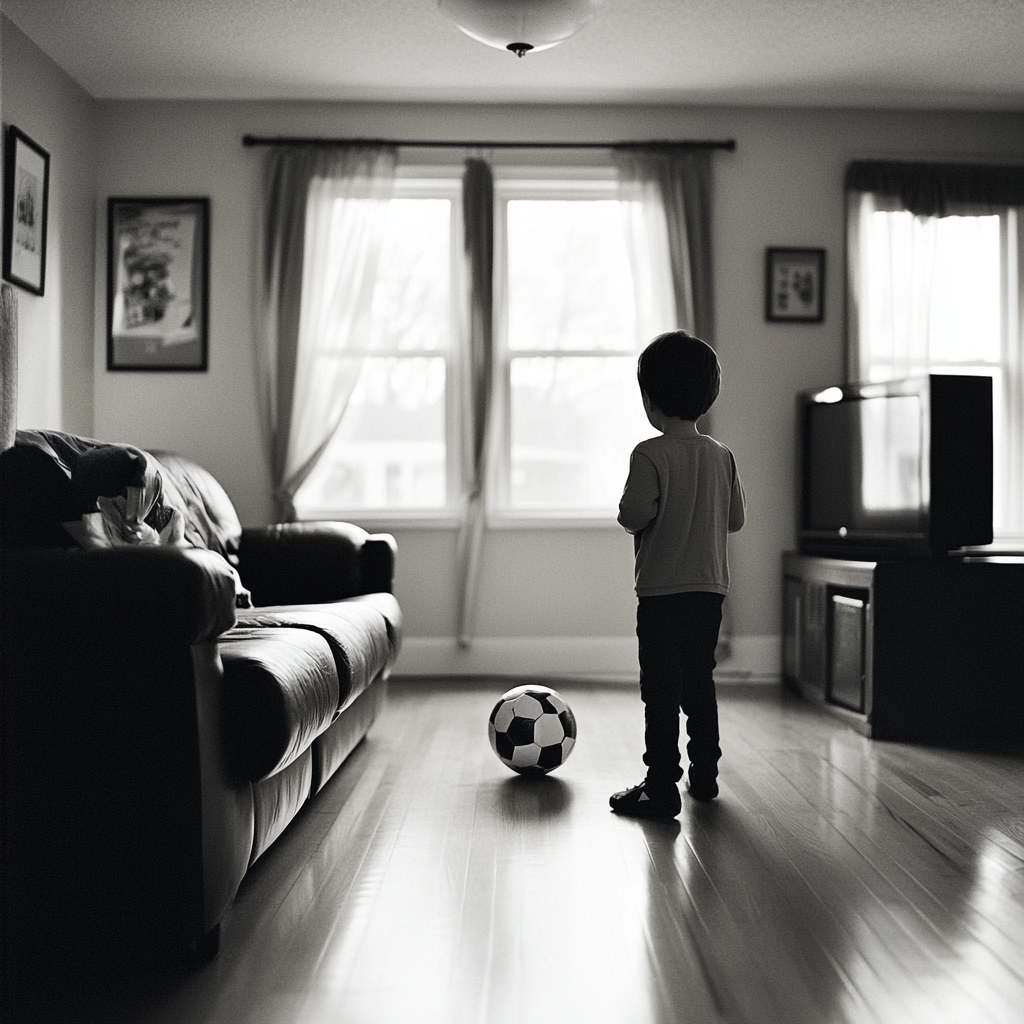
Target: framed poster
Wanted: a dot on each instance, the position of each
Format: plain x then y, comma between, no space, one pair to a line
26,198
794,289
158,274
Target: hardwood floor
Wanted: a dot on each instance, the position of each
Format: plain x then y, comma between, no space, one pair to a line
837,879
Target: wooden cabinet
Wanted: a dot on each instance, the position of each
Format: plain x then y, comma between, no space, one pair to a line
928,650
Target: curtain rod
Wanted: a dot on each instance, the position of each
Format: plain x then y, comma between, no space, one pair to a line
292,140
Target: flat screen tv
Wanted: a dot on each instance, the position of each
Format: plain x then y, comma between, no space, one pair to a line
896,469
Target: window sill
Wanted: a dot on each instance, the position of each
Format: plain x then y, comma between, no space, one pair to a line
551,520
377,521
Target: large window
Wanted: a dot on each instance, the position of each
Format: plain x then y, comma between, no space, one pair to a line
394,448
940,295
568,326
570,331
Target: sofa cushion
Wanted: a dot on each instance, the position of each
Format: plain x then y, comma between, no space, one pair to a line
362,639
206,505
280,693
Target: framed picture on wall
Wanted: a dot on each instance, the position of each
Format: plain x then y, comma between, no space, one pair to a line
794,288
26,198
158,282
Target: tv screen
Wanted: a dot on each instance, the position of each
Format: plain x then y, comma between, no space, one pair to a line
903,467
867,459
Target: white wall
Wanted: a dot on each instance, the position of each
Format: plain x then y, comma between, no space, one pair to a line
55,350
545,589
550,599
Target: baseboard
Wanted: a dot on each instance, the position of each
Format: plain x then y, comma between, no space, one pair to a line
750,659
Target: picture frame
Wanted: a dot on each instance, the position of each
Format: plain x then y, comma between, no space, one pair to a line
26,206
794,289
158,283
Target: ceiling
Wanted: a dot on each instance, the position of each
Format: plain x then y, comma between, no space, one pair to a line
966,54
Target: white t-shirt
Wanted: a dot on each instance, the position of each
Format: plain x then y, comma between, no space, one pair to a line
683,497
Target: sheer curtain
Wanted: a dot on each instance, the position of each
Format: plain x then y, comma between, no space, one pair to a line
896,332
678,178
324,213
926,293
886,333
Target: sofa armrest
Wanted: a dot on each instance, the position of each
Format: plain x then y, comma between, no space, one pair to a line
117,595
313,563
118,819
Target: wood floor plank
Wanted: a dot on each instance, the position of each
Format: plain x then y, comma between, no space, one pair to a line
835,881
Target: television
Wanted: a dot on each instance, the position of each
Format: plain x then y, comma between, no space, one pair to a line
897,469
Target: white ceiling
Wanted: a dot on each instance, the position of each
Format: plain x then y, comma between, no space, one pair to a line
966,54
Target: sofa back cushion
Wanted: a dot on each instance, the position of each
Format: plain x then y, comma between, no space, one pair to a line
204,503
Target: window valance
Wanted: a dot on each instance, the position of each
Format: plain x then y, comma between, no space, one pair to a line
934,189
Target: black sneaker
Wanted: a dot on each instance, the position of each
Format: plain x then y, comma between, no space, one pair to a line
703,789
638,803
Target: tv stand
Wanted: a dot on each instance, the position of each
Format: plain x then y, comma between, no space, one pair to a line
918,650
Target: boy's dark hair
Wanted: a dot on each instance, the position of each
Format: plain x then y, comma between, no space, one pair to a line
680,374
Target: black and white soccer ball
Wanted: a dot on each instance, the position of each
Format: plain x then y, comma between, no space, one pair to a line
532,729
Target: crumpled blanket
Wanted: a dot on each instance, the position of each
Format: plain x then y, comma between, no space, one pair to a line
126,488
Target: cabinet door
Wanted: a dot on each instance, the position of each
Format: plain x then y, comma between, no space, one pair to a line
792,635
846,650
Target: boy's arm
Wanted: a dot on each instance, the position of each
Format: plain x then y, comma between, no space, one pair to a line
737,502
639,503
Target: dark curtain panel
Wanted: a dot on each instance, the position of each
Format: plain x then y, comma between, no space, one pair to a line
931,190
289,174
478,225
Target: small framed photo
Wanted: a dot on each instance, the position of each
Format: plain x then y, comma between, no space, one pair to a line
794,289
158,280
26,198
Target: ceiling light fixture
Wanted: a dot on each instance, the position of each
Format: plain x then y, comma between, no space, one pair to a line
520,25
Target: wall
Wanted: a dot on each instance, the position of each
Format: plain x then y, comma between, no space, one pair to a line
55,353
550,599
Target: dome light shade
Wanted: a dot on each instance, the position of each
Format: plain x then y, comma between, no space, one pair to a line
520,25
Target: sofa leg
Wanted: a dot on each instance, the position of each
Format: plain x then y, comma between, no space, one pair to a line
203,948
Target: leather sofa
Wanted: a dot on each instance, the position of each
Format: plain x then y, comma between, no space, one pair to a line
171,701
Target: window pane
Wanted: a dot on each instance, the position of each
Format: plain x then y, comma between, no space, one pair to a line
570,285
964,324
389,452
574,421
412,298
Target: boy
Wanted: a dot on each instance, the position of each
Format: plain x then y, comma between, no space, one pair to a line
682,498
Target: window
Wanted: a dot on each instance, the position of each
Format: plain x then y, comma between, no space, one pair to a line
394,448
569,335
940,295
570,249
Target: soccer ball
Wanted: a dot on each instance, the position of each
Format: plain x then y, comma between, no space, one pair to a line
532,729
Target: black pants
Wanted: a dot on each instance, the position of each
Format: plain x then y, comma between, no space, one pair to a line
678,634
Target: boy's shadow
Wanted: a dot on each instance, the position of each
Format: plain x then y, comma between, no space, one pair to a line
715,891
